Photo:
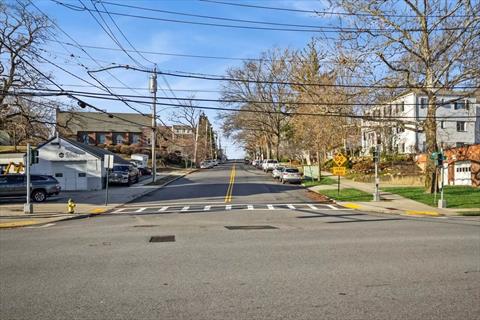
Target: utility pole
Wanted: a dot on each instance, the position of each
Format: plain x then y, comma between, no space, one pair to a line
195,146
153,89
206,138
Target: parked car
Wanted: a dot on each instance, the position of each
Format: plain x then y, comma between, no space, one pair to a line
291,175
126,174
15,185
276,172
206,164
269,164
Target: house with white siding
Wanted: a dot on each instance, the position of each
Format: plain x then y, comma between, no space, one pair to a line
395,124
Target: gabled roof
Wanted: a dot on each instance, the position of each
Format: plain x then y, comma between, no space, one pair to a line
95,151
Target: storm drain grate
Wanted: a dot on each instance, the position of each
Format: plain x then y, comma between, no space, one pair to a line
250,227
146,226
170,238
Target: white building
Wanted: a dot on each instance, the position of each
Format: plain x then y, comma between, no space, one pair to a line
458,123
75,165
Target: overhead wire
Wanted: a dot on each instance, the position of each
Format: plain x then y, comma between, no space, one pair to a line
318,12
320,29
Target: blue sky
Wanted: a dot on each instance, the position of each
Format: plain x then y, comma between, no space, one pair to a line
168,37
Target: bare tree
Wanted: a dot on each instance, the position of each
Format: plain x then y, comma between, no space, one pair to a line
21,36
429,46
267,78
188,116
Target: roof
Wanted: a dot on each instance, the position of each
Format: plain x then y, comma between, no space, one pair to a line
95,151
101,122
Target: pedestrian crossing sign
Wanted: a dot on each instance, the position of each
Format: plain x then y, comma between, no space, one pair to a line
339,171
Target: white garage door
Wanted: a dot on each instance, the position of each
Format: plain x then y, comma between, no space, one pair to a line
71,175
463,174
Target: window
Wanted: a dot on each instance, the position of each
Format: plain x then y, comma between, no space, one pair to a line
117,138
83,137
101,138
82,174
459,105
401,148
461,127
58,175
134,138
38,178
402,106
442,124
423,103
400,129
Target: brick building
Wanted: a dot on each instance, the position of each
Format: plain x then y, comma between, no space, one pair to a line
95,128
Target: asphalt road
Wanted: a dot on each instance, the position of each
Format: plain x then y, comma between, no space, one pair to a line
316,260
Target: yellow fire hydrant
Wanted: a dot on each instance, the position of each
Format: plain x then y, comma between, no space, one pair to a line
71,206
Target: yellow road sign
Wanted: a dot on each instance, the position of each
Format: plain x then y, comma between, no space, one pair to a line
339,171
339,159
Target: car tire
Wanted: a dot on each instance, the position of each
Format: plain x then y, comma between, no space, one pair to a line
39,195
136,179
283,182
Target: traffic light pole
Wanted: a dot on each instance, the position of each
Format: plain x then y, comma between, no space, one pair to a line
27,207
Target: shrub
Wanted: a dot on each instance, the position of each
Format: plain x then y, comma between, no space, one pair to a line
124,149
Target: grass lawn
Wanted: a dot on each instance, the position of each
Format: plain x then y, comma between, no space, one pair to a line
348,194
456,196
323,181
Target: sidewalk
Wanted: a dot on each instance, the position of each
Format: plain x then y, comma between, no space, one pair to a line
390,203
88,203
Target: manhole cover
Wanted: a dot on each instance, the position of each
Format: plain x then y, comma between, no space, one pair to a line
250,227
146,226
162,239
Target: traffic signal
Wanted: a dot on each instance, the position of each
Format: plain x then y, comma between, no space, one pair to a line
376,156
440,159
33,156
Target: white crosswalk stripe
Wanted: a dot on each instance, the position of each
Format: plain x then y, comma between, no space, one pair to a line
229,207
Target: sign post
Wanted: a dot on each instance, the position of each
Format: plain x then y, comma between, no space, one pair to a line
376,159
27,207
107,164
340,169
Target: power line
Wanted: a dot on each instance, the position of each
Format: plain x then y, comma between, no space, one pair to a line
51,92
316,29
318,12
213,77
286,113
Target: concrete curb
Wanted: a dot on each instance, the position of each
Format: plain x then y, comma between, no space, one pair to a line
20,224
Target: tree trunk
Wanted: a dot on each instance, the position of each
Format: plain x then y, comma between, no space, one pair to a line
430,129
319,166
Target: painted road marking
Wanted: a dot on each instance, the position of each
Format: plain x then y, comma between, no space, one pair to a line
291,206
185,209
162,209
228,207
332,207
228,196
119,210
207,208
270,207
249,207
311,206
141,209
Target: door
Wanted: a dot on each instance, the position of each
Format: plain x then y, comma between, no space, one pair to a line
71,175
463,175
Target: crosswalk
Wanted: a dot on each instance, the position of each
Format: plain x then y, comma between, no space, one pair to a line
177,208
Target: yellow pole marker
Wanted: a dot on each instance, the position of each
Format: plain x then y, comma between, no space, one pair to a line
228,196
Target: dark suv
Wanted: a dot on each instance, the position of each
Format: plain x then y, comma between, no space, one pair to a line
15,185
123,174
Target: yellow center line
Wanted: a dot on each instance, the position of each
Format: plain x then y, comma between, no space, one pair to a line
228,196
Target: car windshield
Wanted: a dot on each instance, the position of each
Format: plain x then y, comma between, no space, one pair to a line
272,161
279,168
120,168
291,170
